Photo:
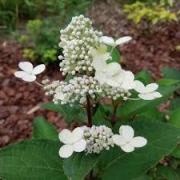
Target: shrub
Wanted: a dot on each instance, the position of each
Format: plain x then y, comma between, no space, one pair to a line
118,130
151,13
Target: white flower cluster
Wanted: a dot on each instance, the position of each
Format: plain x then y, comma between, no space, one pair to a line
97,139
77,39
74,90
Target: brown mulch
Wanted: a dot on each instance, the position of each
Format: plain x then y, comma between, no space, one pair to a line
152,48
19,99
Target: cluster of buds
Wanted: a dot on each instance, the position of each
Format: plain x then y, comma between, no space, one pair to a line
77,40
98,138
73,91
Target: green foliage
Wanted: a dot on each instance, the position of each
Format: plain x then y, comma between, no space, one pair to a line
35,159
70,113
42,129
162,139
153,14
79,165
39,158
14,11
131,108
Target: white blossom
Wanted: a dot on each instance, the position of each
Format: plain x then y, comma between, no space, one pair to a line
113,75
126,140
28,73
73,142
111,42
147,92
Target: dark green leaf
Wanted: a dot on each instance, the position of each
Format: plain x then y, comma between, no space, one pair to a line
176,152
167,173
114,54
144,76
162,139
175,117
79,165
70,113
171,73
102,114
32,160
42,129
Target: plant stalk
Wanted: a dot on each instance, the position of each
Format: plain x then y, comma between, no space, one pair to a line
88,110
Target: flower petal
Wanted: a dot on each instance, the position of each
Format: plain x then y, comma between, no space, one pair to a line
65,136
119,140
29,77
127,148
79,146
39,69
66,151
26,66
150,96
112,68
107,40
20,74
77,134
127,132
128,80
139,86
123,40
151,87
138,141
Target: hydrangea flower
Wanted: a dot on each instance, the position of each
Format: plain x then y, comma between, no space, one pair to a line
126,140
147,92
98,138
28,73
73,142
113,75
111,42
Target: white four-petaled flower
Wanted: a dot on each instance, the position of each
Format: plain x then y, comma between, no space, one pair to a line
111,42
28,73
126,140
73,142
147,92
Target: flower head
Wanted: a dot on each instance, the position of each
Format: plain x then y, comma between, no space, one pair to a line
126,140
73,142
98,138
28,73
111,42
147,92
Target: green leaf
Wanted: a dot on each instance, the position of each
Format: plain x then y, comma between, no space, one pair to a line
171,73
114,54
42,129
144,76
175,103
35,159
162,139
79,165
102,114
175,117
176,152
167,173
130,108
150,114
70,113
